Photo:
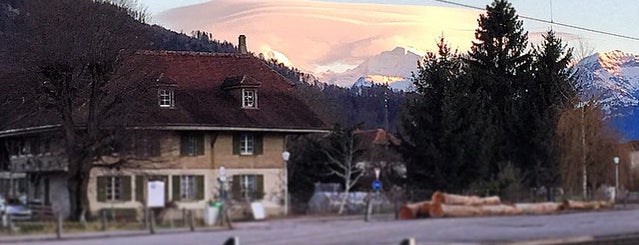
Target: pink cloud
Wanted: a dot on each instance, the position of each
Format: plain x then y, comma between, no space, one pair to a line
315,34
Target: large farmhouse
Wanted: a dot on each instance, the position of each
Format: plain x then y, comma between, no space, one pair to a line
202,111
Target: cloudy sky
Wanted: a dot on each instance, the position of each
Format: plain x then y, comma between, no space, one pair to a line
338,34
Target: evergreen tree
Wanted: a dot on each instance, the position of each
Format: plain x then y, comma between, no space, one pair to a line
432,124
498,68
551,90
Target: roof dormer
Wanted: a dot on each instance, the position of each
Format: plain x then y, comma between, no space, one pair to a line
166,91
248,88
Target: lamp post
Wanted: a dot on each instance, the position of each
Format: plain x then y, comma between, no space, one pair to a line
616,161
285,156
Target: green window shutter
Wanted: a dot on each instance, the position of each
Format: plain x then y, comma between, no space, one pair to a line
236,144
199,185
176,187
166,186
102,181
236,188
259,192
126,188
47,191
139,188
184,148
258,144
199,145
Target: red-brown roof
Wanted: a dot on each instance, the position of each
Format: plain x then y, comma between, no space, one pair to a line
201,99
377,137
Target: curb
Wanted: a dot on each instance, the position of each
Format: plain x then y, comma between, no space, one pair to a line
97,235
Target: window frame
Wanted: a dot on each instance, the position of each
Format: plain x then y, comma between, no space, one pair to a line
188,188
247,144
248,187
114,188
192,145
166,97
249,96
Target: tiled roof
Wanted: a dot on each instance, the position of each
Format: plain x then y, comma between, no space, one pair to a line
199,81
377,137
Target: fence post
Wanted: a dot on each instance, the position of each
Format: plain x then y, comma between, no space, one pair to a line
184,218
369,208
191,221
58,230
152,221
9,223
145,218
103,221
395,209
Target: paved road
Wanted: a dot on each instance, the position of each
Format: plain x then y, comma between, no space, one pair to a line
486,230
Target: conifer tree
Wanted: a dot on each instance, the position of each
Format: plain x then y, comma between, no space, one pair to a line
432,123
498,67
551,90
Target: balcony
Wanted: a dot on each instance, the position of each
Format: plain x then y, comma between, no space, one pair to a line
39,163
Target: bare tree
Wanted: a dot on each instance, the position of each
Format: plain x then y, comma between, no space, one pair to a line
587,146
582,50
343,150
73,59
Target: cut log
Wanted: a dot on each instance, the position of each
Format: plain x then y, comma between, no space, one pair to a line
452,199
593,205
415,210
439,210
539,208
497,210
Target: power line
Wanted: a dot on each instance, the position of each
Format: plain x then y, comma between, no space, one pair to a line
549,22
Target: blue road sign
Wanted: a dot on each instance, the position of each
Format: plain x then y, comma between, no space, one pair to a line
377,185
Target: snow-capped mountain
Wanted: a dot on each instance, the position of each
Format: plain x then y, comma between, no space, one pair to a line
389,67
613,78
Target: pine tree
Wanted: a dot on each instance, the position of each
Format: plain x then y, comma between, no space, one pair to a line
499,66
551,90
432,123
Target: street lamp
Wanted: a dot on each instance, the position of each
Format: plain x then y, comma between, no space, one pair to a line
285,156
616,161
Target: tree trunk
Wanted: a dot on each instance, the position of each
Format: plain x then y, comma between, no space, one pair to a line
345,197
78,185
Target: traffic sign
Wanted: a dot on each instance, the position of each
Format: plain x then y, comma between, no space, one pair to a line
377,185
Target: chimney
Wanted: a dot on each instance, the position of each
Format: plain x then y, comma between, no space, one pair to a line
242,45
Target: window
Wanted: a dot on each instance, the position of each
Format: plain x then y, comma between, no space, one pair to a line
192,144
188,187
247,144
248,187
114,188
165,97
249,98
144,145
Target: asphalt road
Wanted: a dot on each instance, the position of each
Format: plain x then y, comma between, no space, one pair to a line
482,230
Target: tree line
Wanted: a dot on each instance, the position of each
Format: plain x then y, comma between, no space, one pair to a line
501,116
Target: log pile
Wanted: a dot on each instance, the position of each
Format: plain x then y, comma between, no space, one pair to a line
451,205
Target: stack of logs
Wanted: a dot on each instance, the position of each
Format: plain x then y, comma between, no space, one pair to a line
450,205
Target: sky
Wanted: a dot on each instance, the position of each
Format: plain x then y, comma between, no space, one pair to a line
614,16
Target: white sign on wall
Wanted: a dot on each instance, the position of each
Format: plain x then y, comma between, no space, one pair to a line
156,194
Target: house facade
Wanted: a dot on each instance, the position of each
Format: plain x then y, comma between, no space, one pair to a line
203,111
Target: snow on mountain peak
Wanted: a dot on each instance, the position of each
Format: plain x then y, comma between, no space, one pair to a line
613,79
387,67
615,60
